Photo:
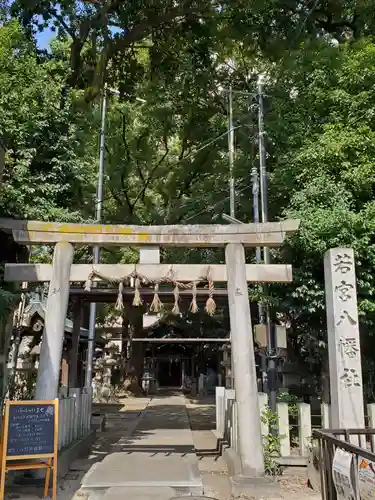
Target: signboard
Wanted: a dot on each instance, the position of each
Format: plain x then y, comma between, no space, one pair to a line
366,478
342,475
30,432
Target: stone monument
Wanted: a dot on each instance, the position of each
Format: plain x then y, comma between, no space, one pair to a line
345,368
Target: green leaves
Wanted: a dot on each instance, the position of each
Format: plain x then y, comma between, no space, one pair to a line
323,173
166,158
46,165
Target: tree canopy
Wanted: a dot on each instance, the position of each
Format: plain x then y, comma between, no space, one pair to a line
166,133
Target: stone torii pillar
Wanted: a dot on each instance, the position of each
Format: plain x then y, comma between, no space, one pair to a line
47,384
245,380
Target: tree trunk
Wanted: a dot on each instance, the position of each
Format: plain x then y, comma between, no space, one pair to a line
125,335
135,352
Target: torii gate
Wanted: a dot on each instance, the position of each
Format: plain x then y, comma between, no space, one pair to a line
235,272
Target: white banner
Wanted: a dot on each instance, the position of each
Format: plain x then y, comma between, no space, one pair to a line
366,478
341,471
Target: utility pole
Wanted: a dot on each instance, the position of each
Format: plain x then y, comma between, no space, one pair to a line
231,186
271,351
231,152
96,251
98,219
258,251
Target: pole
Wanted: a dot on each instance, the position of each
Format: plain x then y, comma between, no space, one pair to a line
232,208
231,152
272,370
258,254
96,251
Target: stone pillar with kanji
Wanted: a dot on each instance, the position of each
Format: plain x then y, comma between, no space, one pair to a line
344,352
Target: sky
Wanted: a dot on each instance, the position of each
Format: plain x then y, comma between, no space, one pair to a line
44,38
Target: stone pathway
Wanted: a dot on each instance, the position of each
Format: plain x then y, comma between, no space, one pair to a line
157,448
159,453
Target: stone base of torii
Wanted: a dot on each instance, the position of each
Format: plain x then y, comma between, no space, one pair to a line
235,272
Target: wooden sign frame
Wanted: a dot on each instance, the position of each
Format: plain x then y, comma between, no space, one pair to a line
45,461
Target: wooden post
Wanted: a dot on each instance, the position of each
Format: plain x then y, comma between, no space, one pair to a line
250,439
73,353
53,336
64,373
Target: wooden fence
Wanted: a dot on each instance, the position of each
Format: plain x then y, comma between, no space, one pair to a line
295,424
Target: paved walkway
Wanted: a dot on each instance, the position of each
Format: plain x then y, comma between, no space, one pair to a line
157,458
156,449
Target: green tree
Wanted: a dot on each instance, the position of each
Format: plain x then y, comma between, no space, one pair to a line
322,172
48,158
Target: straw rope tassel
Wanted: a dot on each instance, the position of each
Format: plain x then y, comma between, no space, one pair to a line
119,306
176,293
156,305
210,304
193,305
88,282
137,301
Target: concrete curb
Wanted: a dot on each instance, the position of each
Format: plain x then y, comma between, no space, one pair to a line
76,450
232,461
254,487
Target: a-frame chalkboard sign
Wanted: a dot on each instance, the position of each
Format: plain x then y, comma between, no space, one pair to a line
30,439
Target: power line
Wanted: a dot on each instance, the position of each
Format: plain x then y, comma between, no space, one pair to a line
231,129
211,207
304,22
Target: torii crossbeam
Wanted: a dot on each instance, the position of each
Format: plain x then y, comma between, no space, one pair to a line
214,235
255,273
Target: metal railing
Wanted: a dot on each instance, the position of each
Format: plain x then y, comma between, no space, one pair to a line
328,442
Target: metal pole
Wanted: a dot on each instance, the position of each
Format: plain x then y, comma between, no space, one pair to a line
262,162
258,254
96,251
272,369
231,152
232,208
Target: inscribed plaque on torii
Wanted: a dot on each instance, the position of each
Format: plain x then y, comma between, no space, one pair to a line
343,340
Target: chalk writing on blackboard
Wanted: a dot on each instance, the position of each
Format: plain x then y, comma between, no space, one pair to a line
31,429
30,439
